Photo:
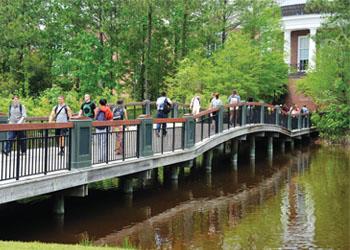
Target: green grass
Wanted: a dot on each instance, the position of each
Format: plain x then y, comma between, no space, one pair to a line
11,245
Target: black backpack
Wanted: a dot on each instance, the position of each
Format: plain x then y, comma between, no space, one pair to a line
118,113
20,109
166,106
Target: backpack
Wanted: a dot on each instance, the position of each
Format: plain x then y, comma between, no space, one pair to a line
166,106
101,116
118,113
65,108
87,110
20,109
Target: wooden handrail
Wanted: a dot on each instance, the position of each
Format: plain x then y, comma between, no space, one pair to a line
34,126
169,120
249,104
205,112
115,123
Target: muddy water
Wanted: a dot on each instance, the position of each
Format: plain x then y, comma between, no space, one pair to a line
300,200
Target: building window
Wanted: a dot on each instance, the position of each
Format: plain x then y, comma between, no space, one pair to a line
303,52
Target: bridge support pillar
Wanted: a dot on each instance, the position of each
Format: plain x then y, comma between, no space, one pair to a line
252,167
190,163
270,145
208,160
252,147
283,146
221,148
175,170
234,153
292,144
127,185
58,207
208,179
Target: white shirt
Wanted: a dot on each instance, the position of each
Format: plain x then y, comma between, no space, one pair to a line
216,103
160,102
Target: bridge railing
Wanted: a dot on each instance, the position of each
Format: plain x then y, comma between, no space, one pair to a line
86,142
206,124
115,140
37,149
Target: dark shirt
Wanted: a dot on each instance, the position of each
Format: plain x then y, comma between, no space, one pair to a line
86,110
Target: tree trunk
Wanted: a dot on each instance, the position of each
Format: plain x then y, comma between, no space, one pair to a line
149,47
224,21
184,30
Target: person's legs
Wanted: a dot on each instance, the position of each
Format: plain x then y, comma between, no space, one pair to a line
61,141
159,115
164,124
22,136
10,137
101,144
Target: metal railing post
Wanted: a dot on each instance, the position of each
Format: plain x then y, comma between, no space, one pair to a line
46,146
189,131
18,155
262,113
278,111
146,136
299,120
289,122
123,143
244,115
81,146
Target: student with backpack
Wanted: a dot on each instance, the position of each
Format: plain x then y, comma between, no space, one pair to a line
60,113
119,113
102,113
17,115
163,109
88,107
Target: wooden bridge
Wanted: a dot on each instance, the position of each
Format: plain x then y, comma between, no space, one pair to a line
95,151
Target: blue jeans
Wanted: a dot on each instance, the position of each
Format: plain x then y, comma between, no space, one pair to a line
13,135
160,114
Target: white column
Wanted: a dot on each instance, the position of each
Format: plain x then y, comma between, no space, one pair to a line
312,48
287,46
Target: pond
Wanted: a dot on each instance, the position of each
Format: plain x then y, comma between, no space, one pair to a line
299,200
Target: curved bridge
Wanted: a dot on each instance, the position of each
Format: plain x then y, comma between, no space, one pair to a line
95,151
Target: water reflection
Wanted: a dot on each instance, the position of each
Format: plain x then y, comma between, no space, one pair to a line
201,222
279,211
300,201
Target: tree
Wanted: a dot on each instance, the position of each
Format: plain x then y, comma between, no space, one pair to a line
329,83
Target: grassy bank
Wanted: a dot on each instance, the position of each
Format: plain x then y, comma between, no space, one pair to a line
11,245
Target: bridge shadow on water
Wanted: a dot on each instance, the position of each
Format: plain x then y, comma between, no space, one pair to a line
192,211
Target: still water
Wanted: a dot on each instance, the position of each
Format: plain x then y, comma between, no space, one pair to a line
299,200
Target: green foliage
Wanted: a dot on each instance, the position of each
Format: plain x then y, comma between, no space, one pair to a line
334,122
329,83
250,61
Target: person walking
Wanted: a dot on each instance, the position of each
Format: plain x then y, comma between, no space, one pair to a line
234,99
119,113
17,114
163,109
88,107
195,105
102,113
59,114
215,103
